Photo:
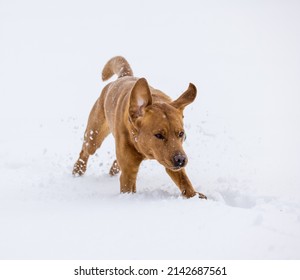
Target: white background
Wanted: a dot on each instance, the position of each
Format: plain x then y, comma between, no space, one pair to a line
242,130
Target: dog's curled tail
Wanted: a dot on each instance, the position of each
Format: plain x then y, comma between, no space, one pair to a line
117,65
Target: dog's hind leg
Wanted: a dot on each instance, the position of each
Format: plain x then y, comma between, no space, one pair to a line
96,131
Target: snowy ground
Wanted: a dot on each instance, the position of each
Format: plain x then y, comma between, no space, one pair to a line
242,131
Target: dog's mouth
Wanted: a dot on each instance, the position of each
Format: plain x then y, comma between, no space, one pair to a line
175,168
172,167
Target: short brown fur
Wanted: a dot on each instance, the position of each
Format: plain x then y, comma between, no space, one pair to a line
145,123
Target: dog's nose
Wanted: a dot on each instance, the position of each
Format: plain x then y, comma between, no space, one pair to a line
179,160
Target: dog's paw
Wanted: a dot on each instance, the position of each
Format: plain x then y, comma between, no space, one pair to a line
201,195
79,168
192,193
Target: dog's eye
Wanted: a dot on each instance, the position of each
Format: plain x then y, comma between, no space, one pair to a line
159,136
181,134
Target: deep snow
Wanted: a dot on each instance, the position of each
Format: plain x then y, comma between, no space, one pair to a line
242,130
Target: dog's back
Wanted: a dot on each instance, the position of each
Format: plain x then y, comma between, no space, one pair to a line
119,66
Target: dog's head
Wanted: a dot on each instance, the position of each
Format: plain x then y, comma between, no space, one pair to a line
158,127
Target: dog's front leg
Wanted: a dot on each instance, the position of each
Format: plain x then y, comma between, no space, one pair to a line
129,164
128,178
127,182
184,184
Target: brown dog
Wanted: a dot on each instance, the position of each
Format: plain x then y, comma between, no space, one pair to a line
146,124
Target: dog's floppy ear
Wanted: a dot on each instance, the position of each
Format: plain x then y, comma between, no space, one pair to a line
140,98
186,98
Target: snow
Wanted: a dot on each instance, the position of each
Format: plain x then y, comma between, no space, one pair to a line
242,130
